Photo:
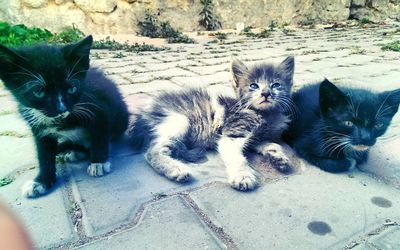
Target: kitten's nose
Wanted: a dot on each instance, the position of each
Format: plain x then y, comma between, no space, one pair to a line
266,94
365,137
60,106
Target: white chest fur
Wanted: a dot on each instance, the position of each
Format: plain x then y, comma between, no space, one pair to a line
75,135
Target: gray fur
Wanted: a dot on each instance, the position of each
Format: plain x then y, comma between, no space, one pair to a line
211,118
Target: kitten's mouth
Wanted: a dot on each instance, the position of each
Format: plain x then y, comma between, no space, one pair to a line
360,147
264,100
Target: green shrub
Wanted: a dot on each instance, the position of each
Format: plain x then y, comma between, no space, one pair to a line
14,35
207,17
393,46
151,27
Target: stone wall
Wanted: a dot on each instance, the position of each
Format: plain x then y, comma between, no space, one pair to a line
120,16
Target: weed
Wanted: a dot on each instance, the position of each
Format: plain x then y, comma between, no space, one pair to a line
365,20
74,207
68,35
272,25
151,27
5,181
249,33
12,134
357,50
119,55
107,43
393,46
220,35
6,112
207,17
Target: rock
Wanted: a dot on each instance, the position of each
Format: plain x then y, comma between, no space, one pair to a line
35,3
54,18
102,6
59,1
121,16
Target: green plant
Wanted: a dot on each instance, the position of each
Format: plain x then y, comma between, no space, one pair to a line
68,35
119,55
151,27
273,25
365,20
5,181
207,17
13,35
394,46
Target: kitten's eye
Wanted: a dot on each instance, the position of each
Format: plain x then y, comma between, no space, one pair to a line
39,93
275,85
254,86
378,125
348,124
72,90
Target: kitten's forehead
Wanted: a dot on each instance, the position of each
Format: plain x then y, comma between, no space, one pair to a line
46,61
363,104
265,72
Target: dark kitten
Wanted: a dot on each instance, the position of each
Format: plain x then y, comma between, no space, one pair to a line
337,126
68,106
184,125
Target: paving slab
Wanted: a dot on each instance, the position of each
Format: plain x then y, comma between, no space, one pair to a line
46,219
313,210
168,224
16,153
14,122
112,200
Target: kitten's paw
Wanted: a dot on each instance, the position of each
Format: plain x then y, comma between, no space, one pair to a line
33,189
277,158
179,174
243,181
99,169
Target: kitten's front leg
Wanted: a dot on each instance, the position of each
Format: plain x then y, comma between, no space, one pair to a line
46,151
240,175
99,150
275,154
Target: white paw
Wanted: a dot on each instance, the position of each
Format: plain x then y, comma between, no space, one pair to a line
179,173
99,169
243,181
276,156
33,189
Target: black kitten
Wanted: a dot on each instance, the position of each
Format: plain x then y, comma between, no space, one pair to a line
337,126
67,105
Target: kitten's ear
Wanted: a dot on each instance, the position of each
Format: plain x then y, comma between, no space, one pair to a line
391,101
238,70
330,96
79,49
77,54
287,67
10,60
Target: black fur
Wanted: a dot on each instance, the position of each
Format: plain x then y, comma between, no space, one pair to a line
56,92
333,121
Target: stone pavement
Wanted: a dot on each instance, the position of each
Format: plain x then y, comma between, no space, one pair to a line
135,208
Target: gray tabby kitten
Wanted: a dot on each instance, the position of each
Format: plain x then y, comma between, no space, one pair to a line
182,126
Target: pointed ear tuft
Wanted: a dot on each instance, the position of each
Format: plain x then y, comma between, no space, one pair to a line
330,96
287,67
391,99
238,70
9,60
79,49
